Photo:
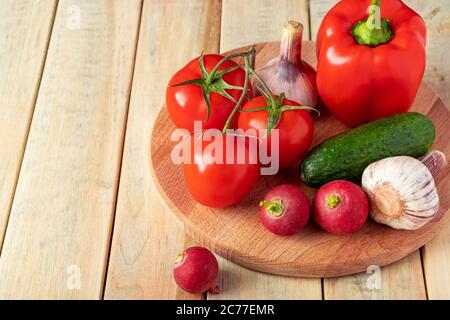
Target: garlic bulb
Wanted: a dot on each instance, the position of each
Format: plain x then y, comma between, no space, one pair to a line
402,191
287,73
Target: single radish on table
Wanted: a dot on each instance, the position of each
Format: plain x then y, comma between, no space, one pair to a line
284,210
340,207
196,270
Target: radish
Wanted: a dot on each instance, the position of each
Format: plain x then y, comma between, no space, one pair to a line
340,207
196,270
284,210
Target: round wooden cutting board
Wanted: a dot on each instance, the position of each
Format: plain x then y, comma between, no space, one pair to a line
237,234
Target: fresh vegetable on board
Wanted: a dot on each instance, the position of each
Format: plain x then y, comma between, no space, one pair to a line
196,270
370,68
295,125
346,155
402,191
268,112
288,73
284,210
207,90
340,207
222,169
218,184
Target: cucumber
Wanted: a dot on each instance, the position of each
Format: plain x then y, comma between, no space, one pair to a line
346,155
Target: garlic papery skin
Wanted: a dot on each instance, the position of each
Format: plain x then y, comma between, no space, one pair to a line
402,191
287,73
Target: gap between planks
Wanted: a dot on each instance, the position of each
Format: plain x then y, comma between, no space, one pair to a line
36,262
106,263
27,129
239,282
146,236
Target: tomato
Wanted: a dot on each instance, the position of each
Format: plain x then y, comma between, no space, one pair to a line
296,128
215,184
188,102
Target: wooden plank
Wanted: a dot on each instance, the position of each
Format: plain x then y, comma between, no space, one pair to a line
401,280
436,16
253,21
436,264
436,254
239,283
317,10
22,58
57,241
246,22
436,258
147,236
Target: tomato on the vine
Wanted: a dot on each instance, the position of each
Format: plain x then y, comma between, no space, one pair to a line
201,92
216,179
296,129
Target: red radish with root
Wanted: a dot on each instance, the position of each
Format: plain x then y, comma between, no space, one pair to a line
284,210
341,207
196,270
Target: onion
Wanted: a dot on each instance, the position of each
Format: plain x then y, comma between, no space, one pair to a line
288,73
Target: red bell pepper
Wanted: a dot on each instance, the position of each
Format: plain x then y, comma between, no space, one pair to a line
370,65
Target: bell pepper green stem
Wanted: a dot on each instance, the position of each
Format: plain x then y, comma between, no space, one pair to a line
373,14
376,3
374,30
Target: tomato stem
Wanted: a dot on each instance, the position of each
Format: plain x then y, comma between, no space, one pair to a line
274,106
212,81
213,72
266,92
244,90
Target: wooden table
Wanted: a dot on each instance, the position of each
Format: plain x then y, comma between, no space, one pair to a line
80,83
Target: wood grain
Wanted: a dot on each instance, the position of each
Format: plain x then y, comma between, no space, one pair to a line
237,234
317,10
436,263
147,236
245,22
22,56
254,21
435,254
62,213
57,240
238,283
402,280
436,14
